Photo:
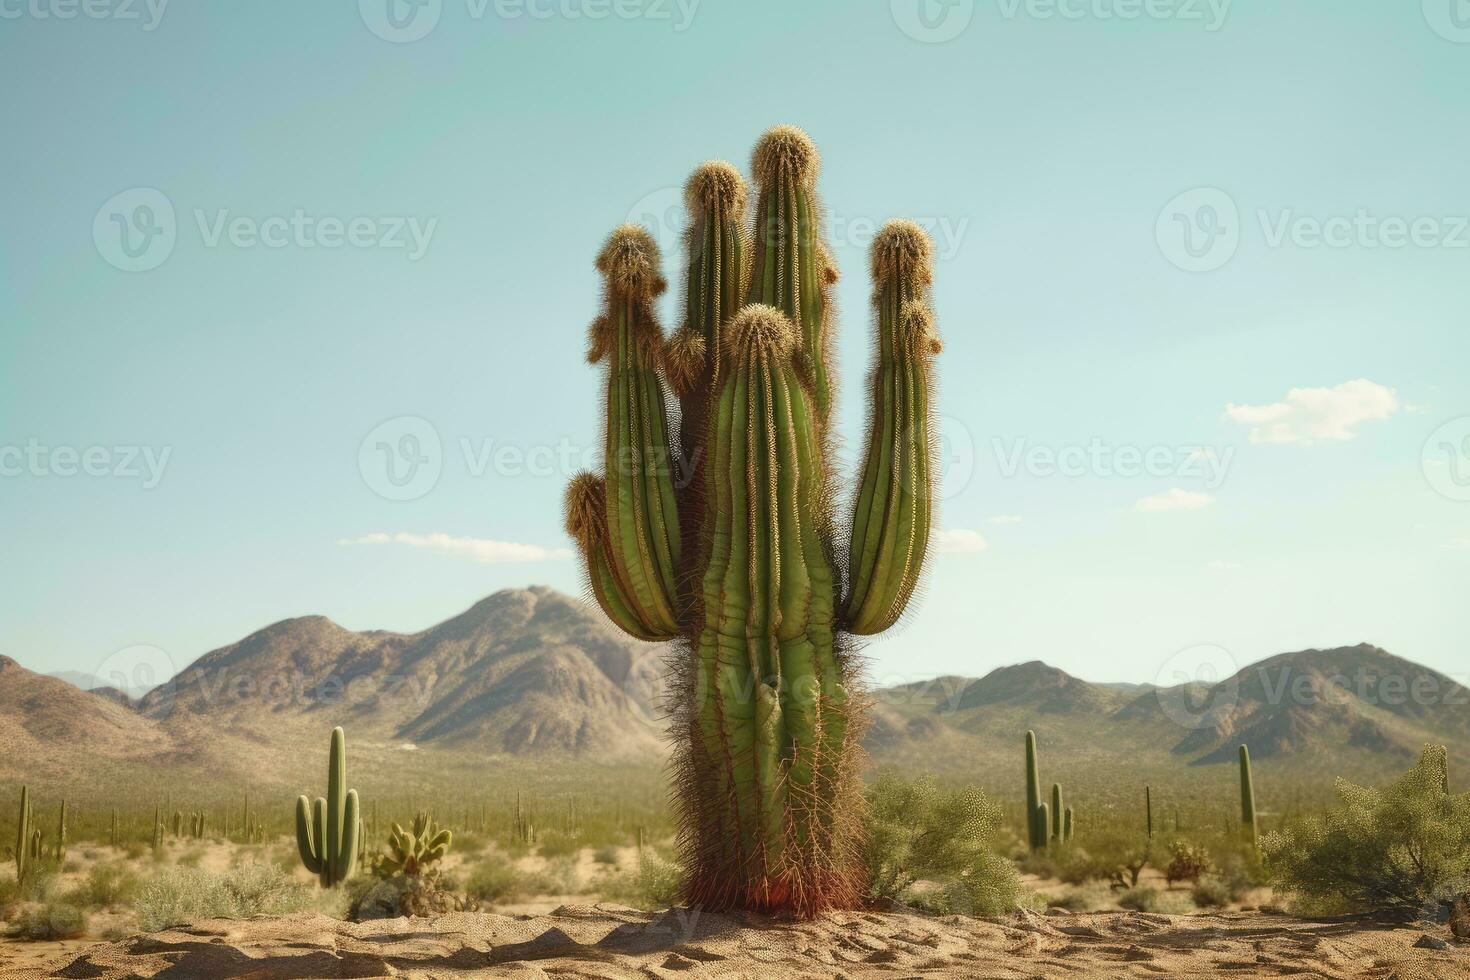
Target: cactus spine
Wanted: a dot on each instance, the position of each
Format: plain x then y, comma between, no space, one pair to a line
23,836
738,558
1248,828
326,832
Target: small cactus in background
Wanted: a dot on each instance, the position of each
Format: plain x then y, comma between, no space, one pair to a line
23,835
61,835
739,558
1148,809
1058,815
157,828
1035,835
326,833
1248,829
411,852
1068,827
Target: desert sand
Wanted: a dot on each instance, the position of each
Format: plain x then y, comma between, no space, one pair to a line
608,941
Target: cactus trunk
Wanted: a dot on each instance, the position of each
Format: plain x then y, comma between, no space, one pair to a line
23,835
1036,831
1248,829
737,557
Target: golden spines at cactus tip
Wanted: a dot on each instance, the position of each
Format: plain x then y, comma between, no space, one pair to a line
789,150
586,516
759,329
630,265
904,251
916,332
716,186
684,362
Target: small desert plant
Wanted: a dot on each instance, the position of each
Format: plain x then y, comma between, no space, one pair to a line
1401,850
606,854
555,843
1212,891
51,921
655,885
179,895
107,886
1187,862
493,880
1140,899
946,838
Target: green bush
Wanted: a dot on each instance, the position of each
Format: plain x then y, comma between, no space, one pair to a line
493,880
107,886
1140,899
555,844
50,922
1187,862
655,885
946,839
1399,850
182,894
606,854
1212,892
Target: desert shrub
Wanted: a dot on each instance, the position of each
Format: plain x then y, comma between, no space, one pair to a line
107,885
49,922
1140,899
657,884
182,894
470,843
190,859
493,880
1187,862
555,844
134,850
1212,892
1399,850
606,854
1086,898
946,838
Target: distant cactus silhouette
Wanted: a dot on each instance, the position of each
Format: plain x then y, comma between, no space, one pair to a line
737,555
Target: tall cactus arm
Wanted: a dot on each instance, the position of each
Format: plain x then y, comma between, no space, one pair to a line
714,290
893,513
307,835
640,508
790,268
587,525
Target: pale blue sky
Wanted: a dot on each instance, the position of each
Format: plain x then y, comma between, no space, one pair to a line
1046,152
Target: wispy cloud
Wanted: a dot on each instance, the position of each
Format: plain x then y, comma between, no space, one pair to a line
1006,519
1174,499
1308,414
961,541
477,549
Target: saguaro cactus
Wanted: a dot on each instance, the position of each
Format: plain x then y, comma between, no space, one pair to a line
61,834
1248,828
725,539
1058,815
23,835
1037,829
326,832
1148,810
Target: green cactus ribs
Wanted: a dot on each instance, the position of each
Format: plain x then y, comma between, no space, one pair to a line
724,537
327,831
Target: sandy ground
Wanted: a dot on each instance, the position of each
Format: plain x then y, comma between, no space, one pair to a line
615,942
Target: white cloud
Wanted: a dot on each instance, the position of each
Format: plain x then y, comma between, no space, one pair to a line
961,541
1006,519
477,549
1308,414
1175,499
